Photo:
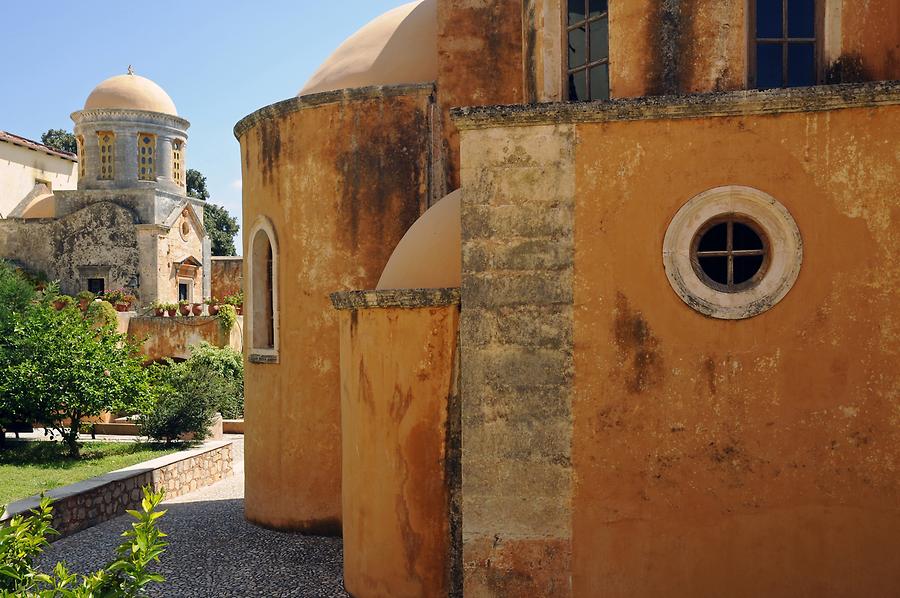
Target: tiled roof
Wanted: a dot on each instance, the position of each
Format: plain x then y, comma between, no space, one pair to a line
36,146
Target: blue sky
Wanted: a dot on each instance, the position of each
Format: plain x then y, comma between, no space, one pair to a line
219,60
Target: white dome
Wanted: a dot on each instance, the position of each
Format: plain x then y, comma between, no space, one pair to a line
398,47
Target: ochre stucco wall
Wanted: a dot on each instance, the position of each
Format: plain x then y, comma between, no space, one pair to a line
744,458
226,277
871,33
174,337
341,182
397,377
479,63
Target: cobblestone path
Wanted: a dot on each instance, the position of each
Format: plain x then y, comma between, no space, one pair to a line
214,552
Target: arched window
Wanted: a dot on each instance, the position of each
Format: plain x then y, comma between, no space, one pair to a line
263,294
786,43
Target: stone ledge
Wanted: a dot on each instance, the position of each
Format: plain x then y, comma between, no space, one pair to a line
337,96
90,502
402,298
736,103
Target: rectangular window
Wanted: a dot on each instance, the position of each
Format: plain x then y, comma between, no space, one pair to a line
82,167
146,157
587,55
177,167
107,143
96,285
184,291
785,46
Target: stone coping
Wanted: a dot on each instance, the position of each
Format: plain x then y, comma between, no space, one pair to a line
403,298
735,103
298,103
20,507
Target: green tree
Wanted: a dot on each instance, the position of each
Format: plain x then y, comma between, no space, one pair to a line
196,184
66,368
61,140
16,294
220,225
221,228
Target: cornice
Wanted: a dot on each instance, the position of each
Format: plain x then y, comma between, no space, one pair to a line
737,103
124,115
299,103
397,298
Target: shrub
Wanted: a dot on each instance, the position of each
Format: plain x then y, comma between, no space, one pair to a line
103,315
26,537
191,392
16,294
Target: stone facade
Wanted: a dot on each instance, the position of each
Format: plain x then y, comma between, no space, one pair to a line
226,276
85,504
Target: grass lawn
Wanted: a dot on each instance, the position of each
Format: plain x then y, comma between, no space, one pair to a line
28,468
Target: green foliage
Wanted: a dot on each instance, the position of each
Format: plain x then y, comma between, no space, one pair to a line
85,296
102,314
63,301
65,368
227,318
60,140
16,294
191,392
126,576
221,228
236,300
196,184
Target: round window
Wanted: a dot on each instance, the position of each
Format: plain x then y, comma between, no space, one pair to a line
732,252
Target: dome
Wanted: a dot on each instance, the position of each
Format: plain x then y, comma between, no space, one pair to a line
131,92
429,256
398,47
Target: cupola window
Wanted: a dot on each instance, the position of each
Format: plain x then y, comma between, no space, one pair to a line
146,157
82,166
177,165
107,145
587,62
785,43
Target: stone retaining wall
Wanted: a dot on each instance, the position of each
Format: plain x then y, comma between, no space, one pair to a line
88,503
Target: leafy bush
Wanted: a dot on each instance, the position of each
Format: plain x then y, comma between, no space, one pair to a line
16,294
191,392
65,368
128,575
103,314
227,318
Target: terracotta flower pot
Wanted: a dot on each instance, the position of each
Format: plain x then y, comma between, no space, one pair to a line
184,310
59,305
121,306
213,310
239,310
172,312
197,308
83,304
159,312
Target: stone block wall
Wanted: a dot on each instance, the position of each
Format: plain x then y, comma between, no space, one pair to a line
517,360
89,503
226,276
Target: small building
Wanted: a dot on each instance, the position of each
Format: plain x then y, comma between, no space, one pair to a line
30,170
130,223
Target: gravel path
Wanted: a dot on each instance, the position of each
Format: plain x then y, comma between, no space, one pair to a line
214,552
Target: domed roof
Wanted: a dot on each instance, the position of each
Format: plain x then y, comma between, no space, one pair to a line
131,92
429,256
398,47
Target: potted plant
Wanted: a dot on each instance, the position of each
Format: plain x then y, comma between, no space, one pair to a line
237,300
184,307
85,298
212,306
125,303
62,302
171,309
159,309
197,308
